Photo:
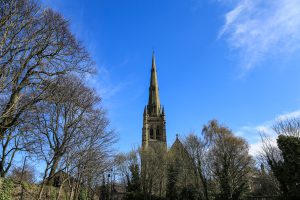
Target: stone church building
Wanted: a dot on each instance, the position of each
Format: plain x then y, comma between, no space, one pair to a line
154,118
157,160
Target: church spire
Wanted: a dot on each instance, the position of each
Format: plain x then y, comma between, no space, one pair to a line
154,119
154,102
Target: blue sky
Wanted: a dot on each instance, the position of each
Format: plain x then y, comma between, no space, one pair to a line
232,60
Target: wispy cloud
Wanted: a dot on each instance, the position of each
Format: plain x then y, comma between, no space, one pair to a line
253,133
104,84
294,114
258,29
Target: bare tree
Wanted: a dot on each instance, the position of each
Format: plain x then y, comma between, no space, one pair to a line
17,139
128,168
23,173
73,136
153,170
121,163
124,162
92,157
83,172
270,151
288,127
60,121
35,47
198,152
282,156
230,162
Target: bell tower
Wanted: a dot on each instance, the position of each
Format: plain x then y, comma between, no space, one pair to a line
154,122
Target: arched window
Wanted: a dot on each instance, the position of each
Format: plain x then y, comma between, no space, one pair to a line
158,136
151,133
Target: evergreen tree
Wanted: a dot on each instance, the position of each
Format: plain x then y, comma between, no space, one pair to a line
287,171
188,193
133,187
104,190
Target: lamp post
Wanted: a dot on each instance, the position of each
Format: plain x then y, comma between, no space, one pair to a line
111,184
108,176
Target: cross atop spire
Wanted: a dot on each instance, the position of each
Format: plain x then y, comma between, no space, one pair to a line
153,102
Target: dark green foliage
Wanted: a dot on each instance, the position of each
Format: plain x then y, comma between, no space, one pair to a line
265,183
188,193
133,196
104,190
133,189
287,171
134,183
157,198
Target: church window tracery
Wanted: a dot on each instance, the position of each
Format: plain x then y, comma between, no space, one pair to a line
151,133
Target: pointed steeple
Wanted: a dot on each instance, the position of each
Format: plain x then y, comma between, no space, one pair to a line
153,102
145,111
154,118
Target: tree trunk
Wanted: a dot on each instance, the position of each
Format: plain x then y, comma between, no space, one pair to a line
2,131
72,192
2,171
204,183
77,189
59,191
53,168
43,184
